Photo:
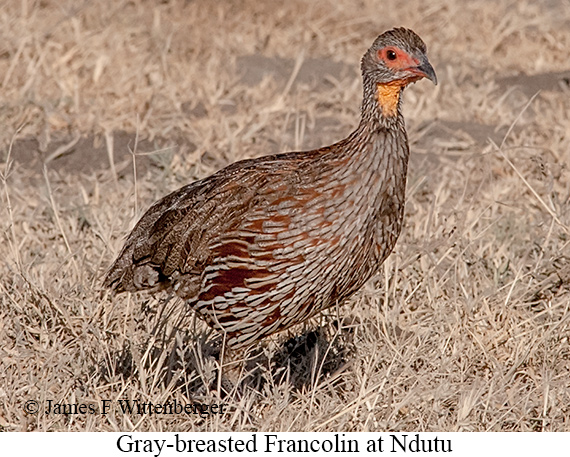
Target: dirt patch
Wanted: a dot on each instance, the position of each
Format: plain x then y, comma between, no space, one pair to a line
85,155
315,72
531,84
461,133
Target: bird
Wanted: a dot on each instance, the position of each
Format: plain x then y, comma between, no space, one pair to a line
267,243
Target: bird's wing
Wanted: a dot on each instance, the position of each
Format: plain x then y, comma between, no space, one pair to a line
174,237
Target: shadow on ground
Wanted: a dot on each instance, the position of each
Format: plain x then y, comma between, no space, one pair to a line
189,360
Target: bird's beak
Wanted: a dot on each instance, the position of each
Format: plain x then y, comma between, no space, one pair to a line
425,70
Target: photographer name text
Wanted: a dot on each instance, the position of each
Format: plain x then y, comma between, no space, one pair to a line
125,406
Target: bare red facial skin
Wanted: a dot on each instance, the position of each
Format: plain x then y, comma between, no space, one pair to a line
388,94
403,60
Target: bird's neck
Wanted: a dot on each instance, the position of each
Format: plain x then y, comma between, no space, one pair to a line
370,172
380,141
377,151
381,105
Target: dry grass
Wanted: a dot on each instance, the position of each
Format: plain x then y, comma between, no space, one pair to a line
467,326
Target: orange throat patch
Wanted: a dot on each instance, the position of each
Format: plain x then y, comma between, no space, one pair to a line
388,96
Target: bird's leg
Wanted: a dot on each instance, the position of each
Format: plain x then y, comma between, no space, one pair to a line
232,367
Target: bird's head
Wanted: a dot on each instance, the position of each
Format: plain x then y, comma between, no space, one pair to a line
395,59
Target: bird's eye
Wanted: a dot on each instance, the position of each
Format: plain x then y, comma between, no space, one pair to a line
391,55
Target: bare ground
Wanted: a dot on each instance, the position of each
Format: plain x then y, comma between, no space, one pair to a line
465,328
